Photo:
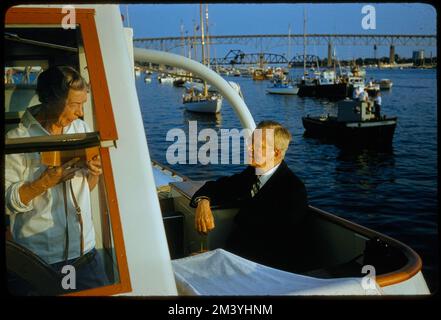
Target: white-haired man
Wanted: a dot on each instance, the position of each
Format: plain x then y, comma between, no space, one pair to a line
272,201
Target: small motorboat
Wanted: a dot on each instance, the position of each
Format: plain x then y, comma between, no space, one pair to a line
355,125
282,87
385,84
147,80
165,79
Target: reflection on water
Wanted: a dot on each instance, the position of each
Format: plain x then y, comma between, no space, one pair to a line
364,169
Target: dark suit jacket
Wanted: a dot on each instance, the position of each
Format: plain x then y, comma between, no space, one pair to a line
267,225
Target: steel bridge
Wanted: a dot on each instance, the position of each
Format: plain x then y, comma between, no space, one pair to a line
265,41
234,57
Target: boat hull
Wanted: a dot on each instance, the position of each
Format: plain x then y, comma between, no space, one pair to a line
205,106
286,91
306,90
368,133
166,80
336,91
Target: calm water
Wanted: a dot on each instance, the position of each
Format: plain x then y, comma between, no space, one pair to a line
394,193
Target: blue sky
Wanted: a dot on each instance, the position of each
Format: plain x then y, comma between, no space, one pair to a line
160,20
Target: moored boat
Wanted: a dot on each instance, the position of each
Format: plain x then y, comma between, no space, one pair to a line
259,74
354,125
330,87
385,84
165,79
211,103
282,87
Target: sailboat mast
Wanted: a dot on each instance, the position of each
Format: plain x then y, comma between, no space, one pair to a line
289,43
195,48
208,39
304,41
203,45
182,39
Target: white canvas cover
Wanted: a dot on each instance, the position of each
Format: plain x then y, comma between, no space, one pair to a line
220,272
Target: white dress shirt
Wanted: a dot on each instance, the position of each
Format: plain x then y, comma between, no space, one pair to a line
265,176
40,225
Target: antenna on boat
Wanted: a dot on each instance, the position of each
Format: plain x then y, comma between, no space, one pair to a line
203,45
182,39
304,40
289,43
127,14
208,39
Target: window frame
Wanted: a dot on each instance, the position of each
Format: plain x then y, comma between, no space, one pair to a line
22,16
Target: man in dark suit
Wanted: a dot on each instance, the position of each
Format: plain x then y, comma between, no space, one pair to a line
272,201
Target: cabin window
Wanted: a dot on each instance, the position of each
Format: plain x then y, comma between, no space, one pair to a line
41,225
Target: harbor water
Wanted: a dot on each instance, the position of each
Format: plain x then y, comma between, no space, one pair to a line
393,192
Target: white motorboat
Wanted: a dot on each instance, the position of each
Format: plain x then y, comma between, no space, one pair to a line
282,87
165,79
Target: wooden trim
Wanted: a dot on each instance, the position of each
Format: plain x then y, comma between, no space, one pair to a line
97,75
124,285
414,262
104,116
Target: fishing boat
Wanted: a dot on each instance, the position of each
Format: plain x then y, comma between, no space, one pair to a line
385,84
307,86
259,74
354,125
282,87
143,222
330,86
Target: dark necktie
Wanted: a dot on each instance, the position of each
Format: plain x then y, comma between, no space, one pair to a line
255,187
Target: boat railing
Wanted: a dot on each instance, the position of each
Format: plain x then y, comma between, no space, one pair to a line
407,271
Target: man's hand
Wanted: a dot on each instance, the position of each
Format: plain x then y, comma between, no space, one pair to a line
54,175
204,221
94,166
95,170
49,178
